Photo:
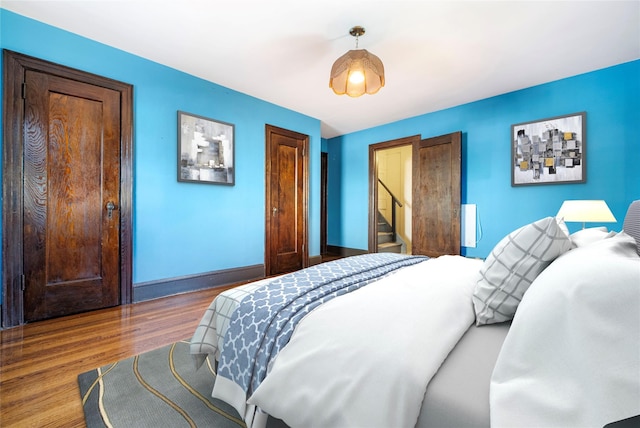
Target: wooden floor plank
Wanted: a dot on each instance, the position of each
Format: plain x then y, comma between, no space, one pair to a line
40,362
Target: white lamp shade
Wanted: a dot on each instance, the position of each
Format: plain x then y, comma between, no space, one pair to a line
586,211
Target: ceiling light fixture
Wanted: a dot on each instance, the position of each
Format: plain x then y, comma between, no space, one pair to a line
357,72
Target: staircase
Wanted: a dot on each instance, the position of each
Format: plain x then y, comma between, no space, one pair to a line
386,242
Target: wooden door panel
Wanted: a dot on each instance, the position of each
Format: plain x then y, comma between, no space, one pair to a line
436,197
286,230
287,245
71,171
73,190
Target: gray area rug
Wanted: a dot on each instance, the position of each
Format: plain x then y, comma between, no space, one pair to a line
160,388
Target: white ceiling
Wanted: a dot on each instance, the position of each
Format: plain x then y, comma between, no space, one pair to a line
437,54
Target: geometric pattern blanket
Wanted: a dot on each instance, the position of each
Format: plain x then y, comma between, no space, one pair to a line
264,321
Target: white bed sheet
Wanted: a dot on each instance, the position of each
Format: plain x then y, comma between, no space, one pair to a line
458,395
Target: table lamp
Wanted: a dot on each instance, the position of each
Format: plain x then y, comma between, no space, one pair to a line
586,211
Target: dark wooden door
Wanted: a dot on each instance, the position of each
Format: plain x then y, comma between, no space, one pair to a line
436,195
67,154
286,200
71,196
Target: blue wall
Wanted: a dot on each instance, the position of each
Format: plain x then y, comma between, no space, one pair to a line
181,228
184,228
611,99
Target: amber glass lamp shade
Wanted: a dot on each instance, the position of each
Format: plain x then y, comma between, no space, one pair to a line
356,73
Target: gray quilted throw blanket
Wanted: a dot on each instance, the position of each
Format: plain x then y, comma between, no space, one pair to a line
265,320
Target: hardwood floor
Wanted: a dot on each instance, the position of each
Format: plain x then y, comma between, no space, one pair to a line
40,362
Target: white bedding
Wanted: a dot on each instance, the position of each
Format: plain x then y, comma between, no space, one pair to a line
570,359
365,359
572,355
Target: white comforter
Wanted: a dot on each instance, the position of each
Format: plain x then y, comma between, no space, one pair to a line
365,359
572,355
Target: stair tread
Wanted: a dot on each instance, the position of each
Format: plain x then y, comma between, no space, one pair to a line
389,244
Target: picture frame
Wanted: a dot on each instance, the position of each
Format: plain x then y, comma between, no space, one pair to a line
549,151
206,150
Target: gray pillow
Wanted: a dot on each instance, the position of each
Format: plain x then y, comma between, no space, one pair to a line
513,265
632,223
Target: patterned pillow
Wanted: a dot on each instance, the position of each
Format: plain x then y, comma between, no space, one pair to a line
513,265
563,226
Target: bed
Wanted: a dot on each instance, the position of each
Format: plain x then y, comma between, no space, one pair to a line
544,332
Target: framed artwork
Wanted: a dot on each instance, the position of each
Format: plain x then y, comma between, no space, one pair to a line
205,150
549,151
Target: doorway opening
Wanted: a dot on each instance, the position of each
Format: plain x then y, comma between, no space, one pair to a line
421,190
390,198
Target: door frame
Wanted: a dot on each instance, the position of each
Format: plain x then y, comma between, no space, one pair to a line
324,176
373,184
271,129
15,66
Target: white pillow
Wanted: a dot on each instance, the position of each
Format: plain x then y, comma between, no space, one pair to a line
513,265
587,236
574,340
